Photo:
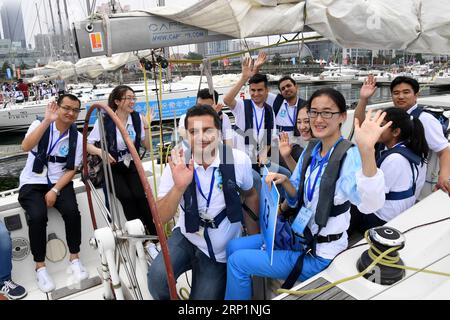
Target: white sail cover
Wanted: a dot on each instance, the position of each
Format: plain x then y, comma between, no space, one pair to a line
413,25
88,67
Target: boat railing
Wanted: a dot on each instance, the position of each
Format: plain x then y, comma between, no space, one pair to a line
8,193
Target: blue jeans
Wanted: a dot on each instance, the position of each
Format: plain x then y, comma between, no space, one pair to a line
208,277
5,254
246,259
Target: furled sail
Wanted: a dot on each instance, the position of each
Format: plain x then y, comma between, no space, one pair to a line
413,25
89,67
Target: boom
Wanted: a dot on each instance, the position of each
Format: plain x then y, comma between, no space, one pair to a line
125,32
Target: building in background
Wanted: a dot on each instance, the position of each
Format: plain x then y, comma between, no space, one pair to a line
201,48
216,48
12,22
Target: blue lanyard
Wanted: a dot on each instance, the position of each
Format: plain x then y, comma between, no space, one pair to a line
309,190
52,146
289,115
258,123
197,181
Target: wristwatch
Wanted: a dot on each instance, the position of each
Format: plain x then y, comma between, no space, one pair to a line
55,191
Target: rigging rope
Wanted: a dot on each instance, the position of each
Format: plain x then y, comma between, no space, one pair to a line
382,259
147,106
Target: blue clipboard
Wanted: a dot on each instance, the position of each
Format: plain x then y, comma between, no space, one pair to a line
268,210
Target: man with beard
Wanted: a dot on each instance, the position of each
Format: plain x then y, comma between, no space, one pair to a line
206,181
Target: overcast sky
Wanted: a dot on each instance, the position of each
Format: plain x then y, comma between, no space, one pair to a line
76,9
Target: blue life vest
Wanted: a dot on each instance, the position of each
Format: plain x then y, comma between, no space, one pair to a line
277,103
111,135
414,161
439,115
42,158
268,122
230,191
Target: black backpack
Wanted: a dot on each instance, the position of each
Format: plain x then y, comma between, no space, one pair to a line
95,168
438,113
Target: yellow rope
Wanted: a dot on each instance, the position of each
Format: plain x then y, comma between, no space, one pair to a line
382,259
168,225
147,104
169,149
184,293
161,140
391,262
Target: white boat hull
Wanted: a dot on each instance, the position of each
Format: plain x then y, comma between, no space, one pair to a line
18,117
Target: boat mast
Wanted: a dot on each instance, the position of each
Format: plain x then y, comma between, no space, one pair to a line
50,44
53,19
62,42
40,29
53,22
70,32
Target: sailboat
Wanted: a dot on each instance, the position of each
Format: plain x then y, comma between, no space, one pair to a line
124,277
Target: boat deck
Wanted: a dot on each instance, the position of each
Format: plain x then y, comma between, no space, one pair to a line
334,293
426,247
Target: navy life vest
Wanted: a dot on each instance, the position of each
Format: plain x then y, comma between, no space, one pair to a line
438,114
233,207
278,102
111,135
268,123
414,161
42,158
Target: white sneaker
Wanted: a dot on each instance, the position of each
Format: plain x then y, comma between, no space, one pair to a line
152,250
44,281
79,272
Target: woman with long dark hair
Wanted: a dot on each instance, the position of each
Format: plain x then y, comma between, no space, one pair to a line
127,184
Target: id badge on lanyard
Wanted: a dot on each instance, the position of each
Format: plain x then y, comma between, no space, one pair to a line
302,220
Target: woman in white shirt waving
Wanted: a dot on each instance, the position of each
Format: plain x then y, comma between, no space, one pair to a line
127,184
